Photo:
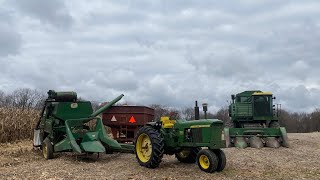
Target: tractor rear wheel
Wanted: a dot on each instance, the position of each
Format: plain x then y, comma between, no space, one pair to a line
222,161
188,155
207,160
149,147
47,149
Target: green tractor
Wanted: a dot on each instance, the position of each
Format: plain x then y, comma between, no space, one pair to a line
63,126
255,121
185,140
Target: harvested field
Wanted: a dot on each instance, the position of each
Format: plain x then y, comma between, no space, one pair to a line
300,161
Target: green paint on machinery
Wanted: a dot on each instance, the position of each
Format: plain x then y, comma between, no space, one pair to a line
63,126
183,138
255,121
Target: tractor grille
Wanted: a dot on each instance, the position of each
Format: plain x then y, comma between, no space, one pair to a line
197,135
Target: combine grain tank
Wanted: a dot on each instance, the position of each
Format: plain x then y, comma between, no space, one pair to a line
255,121
125,121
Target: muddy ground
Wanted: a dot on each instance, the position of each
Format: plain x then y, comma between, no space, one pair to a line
300,161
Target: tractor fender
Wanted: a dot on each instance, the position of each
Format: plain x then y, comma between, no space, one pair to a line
155,125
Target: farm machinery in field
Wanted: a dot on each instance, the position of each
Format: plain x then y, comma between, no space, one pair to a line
255,121
185,140
64,126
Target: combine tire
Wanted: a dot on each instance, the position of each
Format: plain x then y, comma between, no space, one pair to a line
47,149
274,124
222,161
207,160
188,155
149,147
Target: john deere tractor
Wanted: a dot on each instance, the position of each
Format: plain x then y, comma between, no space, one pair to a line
255,121
185,140
63,126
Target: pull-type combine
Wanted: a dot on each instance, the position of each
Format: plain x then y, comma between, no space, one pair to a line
63,126
255,122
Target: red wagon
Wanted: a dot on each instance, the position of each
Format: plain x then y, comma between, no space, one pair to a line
125,121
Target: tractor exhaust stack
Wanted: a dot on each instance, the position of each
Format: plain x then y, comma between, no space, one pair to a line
196,111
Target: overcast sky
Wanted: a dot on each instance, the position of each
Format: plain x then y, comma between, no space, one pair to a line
165,52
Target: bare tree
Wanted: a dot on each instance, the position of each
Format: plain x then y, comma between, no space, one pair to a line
188,113
2,98
315,120
23,98
26,98
161,110
223,114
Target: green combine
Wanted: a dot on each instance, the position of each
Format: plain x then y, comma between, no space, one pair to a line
64,126
255,122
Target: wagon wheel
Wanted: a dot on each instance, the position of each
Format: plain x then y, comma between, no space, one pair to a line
47,149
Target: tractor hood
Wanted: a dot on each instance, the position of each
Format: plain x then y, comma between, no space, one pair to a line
198,123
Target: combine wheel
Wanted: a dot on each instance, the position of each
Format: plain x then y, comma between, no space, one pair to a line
188,155
207,160
47,149
222,161
274,124
149,147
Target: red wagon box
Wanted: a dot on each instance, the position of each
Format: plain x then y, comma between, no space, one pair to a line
125,121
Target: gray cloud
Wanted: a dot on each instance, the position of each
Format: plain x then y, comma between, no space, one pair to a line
53,12
166,52
10,39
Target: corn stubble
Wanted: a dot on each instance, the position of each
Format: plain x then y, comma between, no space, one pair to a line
17,124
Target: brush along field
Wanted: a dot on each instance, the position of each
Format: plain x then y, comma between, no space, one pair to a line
300,161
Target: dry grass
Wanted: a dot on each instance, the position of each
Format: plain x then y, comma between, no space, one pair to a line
17,124
300,161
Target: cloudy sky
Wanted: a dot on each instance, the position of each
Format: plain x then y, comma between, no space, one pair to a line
163,51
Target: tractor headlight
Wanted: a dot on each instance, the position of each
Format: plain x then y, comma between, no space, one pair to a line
222,136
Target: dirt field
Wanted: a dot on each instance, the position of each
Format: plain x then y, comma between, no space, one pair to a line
300,161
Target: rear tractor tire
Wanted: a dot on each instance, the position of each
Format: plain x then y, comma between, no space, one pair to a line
149,147
47,149
207,160
188,155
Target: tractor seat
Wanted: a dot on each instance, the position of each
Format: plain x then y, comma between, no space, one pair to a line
167,123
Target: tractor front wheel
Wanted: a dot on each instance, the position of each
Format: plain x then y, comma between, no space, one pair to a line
47,149
222,161
207,160
149,147
187,155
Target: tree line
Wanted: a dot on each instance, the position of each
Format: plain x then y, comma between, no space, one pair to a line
22,98
302,122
